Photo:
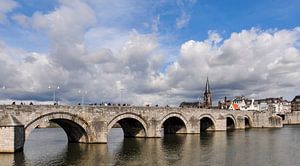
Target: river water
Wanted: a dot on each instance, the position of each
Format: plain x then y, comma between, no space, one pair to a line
257,147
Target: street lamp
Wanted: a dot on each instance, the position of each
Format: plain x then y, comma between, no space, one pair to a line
54,93
3,88
121,92
82,96
167,98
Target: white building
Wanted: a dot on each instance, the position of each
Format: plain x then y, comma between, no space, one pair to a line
275,105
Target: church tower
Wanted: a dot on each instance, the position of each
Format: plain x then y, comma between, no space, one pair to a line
207,100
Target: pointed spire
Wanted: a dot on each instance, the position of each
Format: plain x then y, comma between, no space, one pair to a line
207,87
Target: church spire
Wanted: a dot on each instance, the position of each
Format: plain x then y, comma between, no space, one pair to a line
207,103
207,87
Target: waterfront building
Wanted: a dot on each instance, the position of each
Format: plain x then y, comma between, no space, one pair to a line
225,104
295,104
238,103
286,106
275,105
242,103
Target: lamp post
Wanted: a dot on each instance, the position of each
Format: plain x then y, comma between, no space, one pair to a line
82,96
3,88
103,98
167,98
121,92
54,93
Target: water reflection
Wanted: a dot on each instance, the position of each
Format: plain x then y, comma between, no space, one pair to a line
12,159
240,147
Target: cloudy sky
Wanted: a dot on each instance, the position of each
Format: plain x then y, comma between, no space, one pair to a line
152,51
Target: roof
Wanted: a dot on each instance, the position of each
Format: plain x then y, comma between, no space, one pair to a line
296,97
9,121
189,104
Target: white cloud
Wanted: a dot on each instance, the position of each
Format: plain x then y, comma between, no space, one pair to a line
252,61
88,56
183,20
6,6
185,16
21,19
66,26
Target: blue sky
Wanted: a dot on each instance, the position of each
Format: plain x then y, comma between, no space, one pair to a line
223,17
151,43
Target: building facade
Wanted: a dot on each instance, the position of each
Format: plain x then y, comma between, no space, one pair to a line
274,105
295,104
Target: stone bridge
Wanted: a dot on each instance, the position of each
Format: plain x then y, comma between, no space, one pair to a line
91,124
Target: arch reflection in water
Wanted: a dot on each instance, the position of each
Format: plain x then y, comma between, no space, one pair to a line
139,151
46,147
172,147
50,147
87,154
264,147
12,159
131,151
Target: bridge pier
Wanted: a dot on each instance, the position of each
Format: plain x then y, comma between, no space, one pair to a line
154,129
221,124
99,132
12,135
240,123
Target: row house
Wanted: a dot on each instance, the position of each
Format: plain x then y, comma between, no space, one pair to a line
295,104
275,105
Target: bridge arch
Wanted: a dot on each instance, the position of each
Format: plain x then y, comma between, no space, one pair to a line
230,122
75,127
248,121
207,122
173,123
132,125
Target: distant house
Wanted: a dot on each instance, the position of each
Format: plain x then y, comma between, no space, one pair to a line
286,106
275,105
242,103
224,104
295,104
189,105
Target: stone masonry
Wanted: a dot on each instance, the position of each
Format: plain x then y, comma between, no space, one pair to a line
91,124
